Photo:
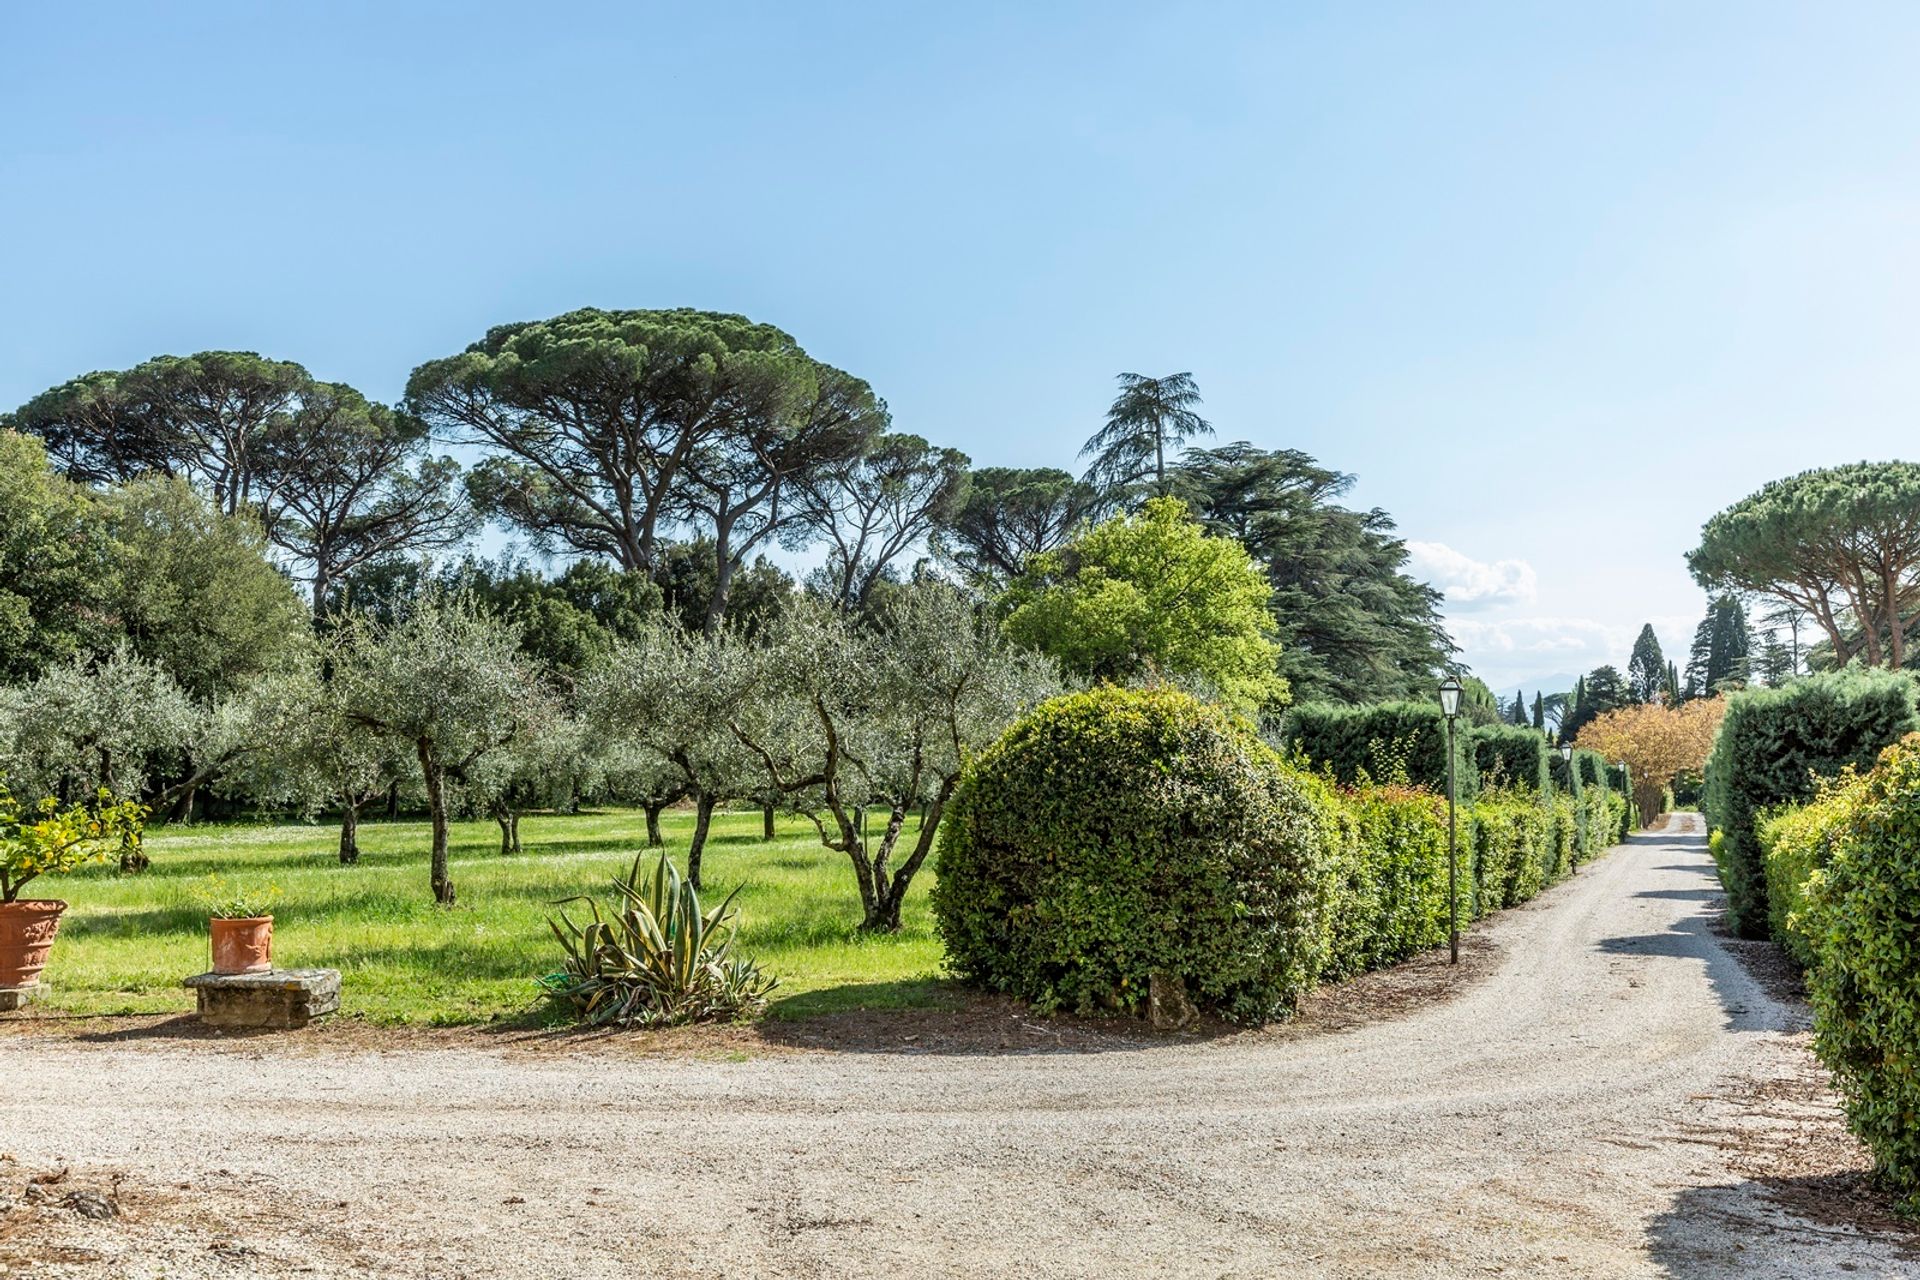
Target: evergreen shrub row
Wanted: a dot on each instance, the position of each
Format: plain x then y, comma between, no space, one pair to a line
1115,835
1771,748
1843,875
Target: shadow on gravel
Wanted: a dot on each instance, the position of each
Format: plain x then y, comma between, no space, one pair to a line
1692,938
1776,1228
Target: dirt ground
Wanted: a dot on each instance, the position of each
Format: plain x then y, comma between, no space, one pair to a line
1606,1088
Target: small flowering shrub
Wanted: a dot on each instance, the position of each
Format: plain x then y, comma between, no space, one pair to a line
52,838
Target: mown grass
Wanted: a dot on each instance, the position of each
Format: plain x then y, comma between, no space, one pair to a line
128,940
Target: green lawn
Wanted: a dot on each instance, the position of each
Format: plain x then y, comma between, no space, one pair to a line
128,940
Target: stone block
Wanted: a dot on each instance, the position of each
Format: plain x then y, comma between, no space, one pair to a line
12,998
283,998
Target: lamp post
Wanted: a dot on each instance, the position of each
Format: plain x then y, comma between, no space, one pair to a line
1579,811
1450,707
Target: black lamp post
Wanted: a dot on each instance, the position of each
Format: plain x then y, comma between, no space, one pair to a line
1450,707
1580,812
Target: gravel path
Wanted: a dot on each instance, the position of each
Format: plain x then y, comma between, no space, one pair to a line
1575,1113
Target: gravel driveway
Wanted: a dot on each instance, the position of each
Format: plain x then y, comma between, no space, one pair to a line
1585,1110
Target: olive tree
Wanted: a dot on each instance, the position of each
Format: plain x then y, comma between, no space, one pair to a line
450,683
118,723
675,693
640,775
885,714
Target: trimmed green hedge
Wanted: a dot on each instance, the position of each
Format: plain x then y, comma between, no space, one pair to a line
1794,844
1118,833
1862,925
1509,755
1114,834
1772,745
1379,742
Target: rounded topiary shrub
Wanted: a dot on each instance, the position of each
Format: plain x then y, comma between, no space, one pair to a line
1118,834
1862,925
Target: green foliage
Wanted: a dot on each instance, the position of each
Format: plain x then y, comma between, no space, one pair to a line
1395,903
1839,543
223,899
196,592
1772,746
1115,834
1722,644
1510,754
610,426
655,958
1516,848
1865,987
1008,515
1391,741
1647,668
56,563
1795,842
1353,625
50,837
1147,424
1152,594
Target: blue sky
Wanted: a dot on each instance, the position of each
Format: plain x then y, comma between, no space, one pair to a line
1557,283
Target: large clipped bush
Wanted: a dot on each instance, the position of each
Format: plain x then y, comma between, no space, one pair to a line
1115,835
1864,926
1773,744
1510,755
1386,742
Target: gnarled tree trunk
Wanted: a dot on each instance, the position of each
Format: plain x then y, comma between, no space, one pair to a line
350,831
702,821
433,773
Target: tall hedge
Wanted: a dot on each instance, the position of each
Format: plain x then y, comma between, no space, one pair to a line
1511,754
1863,926
1376,741
1117,834
1771,746
1114,835
1795,843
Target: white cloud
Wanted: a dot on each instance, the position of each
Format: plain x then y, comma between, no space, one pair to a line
1470,583
1526,650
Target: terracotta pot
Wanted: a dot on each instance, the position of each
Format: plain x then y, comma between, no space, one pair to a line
26,936
243,946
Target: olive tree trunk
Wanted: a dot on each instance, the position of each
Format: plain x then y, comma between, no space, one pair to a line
350,830
702,821
433,773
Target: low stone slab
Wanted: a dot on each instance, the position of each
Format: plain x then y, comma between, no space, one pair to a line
12,998
284,998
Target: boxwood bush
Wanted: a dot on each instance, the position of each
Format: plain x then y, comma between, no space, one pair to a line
1772,744
1115,834
1863,926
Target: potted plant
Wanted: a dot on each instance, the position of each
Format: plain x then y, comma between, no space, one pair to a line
241,921
50,837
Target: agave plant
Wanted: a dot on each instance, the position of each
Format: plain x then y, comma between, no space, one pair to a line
654,959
